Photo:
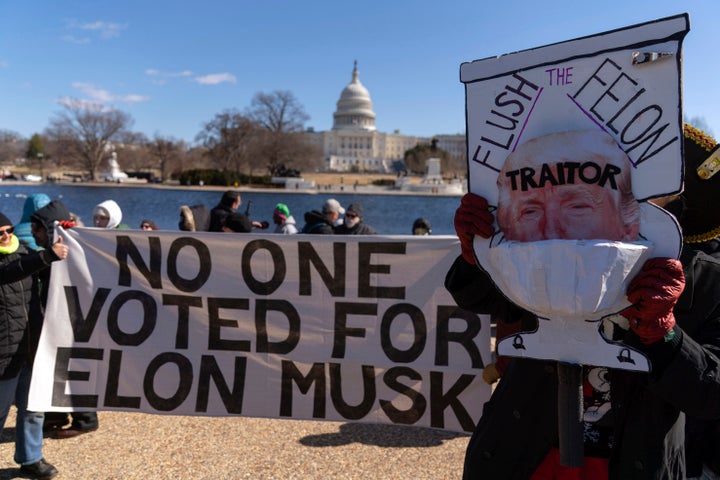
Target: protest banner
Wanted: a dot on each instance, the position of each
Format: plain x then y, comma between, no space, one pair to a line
303,327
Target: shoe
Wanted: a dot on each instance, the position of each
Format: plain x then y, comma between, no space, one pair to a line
71,432
49,426
41,470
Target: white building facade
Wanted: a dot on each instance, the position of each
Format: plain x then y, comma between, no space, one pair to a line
355,145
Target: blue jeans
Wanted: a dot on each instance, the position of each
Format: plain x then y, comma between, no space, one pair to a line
28,427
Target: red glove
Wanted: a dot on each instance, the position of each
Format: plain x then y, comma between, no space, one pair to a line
66,224
653,293
472,218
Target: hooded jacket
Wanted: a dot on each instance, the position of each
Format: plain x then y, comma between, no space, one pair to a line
54,211
112,209
287,227
32,204
316,223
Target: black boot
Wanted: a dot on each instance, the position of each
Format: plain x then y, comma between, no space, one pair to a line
41,470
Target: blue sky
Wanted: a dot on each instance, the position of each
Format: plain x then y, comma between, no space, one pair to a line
174,65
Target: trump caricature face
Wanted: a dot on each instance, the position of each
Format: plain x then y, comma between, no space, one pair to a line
568,185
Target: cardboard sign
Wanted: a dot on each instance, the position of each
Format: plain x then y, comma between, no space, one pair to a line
567,143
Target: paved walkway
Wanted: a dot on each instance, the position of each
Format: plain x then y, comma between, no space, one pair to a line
140,446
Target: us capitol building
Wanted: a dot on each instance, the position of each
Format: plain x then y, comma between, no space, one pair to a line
354,144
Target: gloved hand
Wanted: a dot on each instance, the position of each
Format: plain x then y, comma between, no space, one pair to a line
66,224
653,293
472,218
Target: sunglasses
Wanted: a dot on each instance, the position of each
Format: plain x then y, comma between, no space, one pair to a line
145,226
351,215
9,231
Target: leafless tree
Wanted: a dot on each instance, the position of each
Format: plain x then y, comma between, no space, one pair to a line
230,140
283,118
278,111
88,129
12,147
167,151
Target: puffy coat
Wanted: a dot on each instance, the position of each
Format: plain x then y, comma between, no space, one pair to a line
19,303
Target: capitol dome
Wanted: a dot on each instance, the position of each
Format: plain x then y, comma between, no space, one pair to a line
354,109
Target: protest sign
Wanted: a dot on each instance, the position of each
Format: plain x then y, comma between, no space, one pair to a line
599,116
277,326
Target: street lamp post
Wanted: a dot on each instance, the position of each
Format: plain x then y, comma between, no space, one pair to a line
40,159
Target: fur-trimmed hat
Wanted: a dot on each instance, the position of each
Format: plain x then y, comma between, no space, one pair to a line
699,214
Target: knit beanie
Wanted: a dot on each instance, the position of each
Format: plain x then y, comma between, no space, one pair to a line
4,220
355,208
282,211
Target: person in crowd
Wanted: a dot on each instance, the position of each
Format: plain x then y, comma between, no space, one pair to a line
700,223
19,312
284,222
76,220
323,222
107,214
353,224
229,203
332,211
195,218
148,224
421,226
673,320
22,230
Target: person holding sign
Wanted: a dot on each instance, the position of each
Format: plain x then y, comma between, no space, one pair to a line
42,227
574,185
18,340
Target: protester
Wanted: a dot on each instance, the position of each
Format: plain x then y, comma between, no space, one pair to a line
700,222
353,224
421,226
323,222
194,218
284,222
641,434
332,211
107,214
229,203
147,224
19,333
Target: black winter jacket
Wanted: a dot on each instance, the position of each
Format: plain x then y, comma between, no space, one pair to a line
19,307
360,228
519,423
217,217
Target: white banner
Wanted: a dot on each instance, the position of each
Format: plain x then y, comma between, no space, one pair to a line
316,327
